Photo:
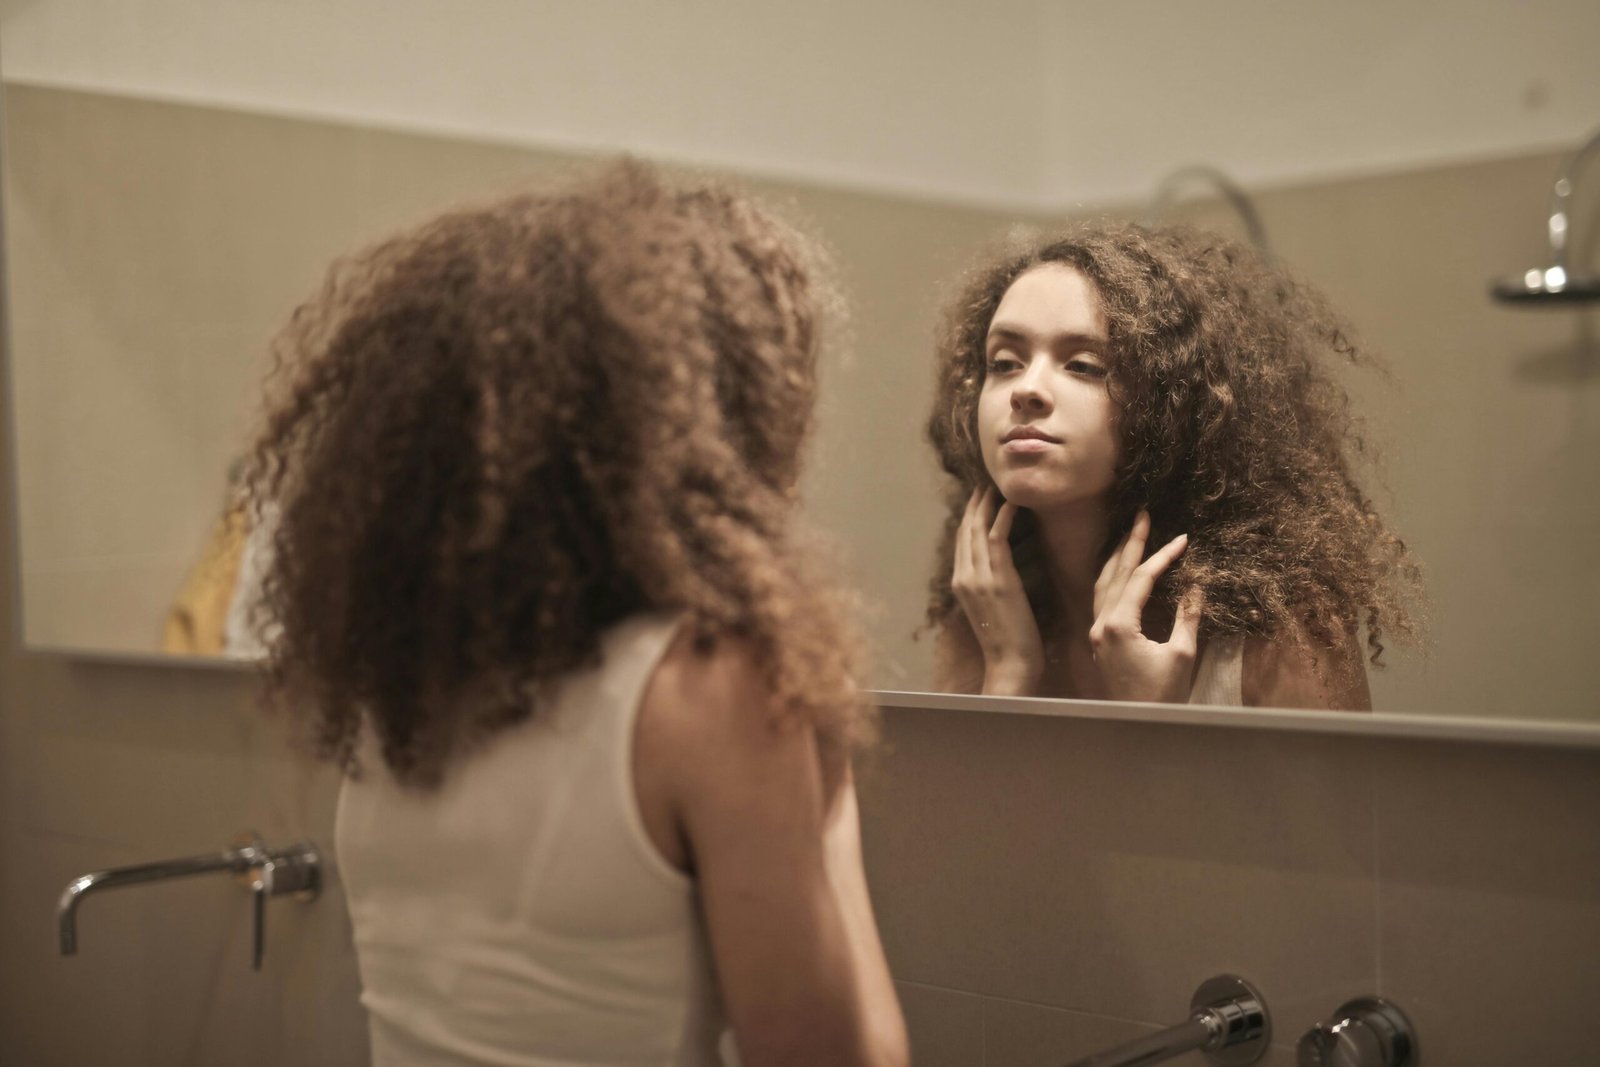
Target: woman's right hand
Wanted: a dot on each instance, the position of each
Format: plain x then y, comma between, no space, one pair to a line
989,589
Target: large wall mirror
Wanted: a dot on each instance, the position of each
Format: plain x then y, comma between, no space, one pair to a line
175,182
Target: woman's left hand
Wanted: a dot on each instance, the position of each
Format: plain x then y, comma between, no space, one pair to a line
1133,666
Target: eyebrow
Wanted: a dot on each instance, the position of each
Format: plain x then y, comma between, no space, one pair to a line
1002,331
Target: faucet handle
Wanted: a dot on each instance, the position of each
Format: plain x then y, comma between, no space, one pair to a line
1365,1032
274,872
296,870
258,908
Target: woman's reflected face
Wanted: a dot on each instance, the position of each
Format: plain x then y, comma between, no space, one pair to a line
1045,416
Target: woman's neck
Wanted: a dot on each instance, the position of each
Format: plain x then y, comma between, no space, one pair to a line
1072,539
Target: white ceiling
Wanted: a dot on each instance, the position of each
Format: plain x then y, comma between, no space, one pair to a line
1012,103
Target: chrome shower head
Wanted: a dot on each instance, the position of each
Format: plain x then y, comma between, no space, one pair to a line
1548,285
1166,196
1557,283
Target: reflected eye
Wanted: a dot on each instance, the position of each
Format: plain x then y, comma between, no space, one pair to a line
1002,362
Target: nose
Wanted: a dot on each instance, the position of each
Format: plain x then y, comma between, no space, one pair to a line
1028,392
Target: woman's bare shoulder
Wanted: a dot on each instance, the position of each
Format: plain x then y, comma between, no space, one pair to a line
708,745
1298,671
697,691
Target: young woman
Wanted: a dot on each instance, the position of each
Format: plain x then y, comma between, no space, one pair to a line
535,585
1154,497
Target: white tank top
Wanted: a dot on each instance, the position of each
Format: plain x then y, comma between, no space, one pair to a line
520,915
1219,676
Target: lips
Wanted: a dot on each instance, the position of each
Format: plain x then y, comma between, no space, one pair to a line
1027,441
1029,433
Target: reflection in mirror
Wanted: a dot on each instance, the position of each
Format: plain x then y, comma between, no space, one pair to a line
1483,419
1557,282
153,245
154,249
1153,492
1185,180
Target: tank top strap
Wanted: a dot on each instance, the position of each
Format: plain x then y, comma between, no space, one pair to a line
631,650
629,653
1219,676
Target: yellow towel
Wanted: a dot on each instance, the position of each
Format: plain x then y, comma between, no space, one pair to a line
194,624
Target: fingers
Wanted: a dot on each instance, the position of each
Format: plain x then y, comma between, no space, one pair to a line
964,563
986,508
1133,545
1110,571
1000,533
1124,558
974,504
1186,626
1136,590
982,519
973,549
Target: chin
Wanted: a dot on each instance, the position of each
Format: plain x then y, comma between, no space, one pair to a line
1025,490
1031,493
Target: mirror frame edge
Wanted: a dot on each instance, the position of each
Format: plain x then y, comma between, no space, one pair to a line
1541,733
10,436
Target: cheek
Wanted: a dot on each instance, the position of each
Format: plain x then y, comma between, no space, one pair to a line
1113,447
1099,416
988,443
990,406
1101,413
988,412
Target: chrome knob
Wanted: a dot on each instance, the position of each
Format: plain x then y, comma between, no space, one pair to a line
1365,1032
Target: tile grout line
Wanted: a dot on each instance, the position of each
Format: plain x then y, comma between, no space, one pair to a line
983,1031
998,998
1076,1011
1377,877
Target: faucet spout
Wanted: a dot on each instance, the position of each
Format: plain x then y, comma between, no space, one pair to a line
237,860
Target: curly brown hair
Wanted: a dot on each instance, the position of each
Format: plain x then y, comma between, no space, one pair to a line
507,429
1232,429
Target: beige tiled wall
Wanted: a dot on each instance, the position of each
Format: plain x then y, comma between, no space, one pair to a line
1046,886
1050,886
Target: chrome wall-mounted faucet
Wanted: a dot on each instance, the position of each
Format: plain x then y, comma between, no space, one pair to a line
295,870
1228,1022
